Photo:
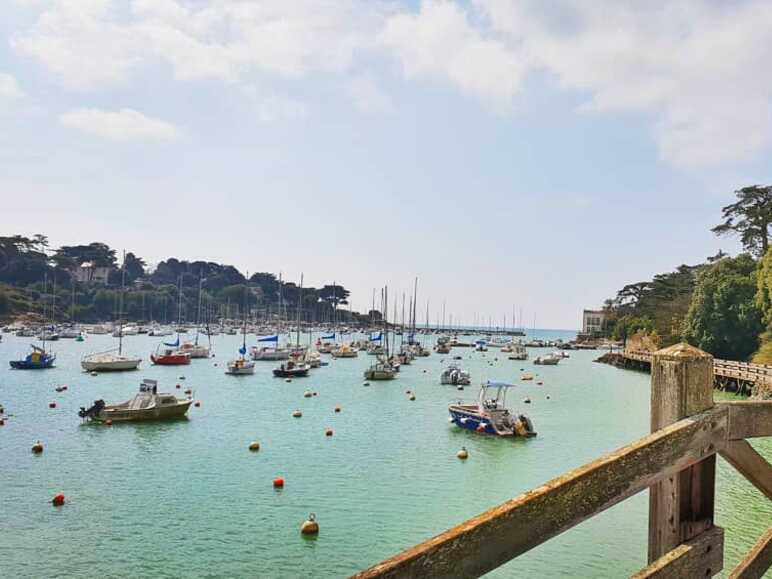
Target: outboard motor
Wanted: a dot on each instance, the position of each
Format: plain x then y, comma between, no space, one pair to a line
93,411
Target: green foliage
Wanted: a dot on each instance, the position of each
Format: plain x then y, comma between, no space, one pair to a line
658,305
724,318
749,218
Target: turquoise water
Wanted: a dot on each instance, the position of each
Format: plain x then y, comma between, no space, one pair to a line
188,499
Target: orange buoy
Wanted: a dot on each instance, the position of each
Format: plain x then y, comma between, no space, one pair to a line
480,428
58,500
37,448
109,422
310,526
278,483
254,446
52,405
197,404
328,432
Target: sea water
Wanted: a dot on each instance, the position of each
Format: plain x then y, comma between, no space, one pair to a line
188,499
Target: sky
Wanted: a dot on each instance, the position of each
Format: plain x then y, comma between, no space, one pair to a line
513,155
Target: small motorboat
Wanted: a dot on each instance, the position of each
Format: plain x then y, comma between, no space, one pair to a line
344,351
240,367
481,346
490,414
548,360
148,404
381,370
455,376
37,359
517,351
169,357
292,369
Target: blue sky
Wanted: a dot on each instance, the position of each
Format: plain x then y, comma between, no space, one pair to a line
506,153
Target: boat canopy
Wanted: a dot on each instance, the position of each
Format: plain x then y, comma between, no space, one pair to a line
175,344
330,337
274,338
376,338
492,384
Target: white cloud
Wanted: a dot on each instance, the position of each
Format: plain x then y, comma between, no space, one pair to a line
367,96
122,125
9,88
701,68
697,68
94,42
440,42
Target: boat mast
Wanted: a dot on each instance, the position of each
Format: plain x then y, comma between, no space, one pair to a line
300,305
179,309
198,313
415,300
120,304
244,325
45,290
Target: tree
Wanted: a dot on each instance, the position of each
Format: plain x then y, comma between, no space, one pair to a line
134,267
724,318
750,218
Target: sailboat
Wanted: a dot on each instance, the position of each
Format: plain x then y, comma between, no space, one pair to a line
194,348
170,354
296,365
241,366
112,360
38,358
382,369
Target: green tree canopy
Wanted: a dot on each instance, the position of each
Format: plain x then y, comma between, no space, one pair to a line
724,318
749,218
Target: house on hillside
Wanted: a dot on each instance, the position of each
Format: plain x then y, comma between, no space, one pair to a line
89,272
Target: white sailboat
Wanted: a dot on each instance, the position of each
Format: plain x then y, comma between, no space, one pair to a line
112,360
241,366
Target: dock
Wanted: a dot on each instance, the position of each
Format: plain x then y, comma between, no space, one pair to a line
728,375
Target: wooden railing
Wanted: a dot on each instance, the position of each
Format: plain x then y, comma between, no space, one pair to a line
676,461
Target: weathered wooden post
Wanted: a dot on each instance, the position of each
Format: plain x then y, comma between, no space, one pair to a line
681,506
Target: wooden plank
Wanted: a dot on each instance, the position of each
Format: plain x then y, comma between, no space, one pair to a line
494,537
749,418
757,561
702,556
680,506
749,463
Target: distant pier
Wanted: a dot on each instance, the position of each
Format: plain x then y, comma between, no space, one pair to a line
728,375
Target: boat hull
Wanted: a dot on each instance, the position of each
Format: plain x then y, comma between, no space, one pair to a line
110,366
469,418
170,360
27,365
145,414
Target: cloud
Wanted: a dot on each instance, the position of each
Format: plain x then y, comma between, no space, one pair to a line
122,125
441,43
695,69
91,43
367,95
9,87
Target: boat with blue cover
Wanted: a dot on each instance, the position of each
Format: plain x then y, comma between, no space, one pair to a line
37,359
490,414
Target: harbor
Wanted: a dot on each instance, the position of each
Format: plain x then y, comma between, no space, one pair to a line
208,502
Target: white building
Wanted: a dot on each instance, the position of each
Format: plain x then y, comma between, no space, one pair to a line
593,322
88,272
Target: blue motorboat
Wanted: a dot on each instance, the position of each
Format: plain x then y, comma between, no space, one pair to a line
490,414
37,359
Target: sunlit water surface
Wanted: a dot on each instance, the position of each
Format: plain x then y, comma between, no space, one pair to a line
187,499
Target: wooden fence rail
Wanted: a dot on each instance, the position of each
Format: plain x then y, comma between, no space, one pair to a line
676,461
